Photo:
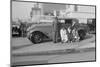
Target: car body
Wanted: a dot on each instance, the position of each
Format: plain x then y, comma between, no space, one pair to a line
41,31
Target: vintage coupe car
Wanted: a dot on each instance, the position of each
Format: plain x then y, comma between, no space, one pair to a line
39,32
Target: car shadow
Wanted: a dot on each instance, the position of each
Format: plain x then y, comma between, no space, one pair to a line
87,37
46,41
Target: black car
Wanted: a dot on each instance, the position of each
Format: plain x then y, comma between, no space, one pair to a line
16,32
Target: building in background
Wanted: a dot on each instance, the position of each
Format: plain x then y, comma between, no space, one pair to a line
31,12
71,11
49,8
80,12
36,12
44,11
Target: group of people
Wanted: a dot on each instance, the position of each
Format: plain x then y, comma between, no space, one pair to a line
69,33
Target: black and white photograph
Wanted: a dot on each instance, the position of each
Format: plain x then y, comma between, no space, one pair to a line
52,33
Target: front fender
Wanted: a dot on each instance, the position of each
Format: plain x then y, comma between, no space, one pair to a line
29,33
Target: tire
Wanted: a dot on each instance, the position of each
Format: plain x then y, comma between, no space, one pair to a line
82,34
36,37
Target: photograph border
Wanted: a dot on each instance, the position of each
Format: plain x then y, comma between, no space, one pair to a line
49,3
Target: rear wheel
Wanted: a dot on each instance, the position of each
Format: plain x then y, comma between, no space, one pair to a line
82,34
36,37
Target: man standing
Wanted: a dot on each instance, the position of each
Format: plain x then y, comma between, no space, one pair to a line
69,33
55,30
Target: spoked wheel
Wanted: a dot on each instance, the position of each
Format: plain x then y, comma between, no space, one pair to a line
36,38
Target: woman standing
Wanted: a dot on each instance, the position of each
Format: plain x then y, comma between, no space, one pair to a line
64,34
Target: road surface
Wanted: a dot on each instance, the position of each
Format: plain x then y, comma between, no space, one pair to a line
25,45
44,59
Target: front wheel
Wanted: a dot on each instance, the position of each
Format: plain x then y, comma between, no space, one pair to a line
36,38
